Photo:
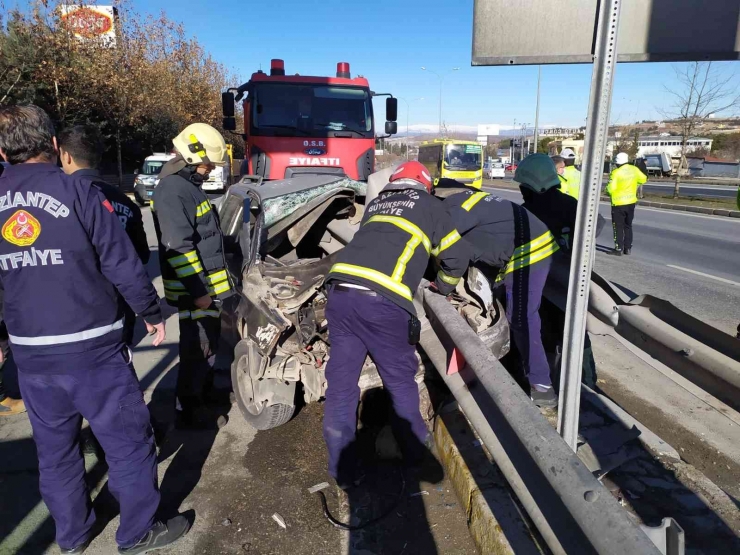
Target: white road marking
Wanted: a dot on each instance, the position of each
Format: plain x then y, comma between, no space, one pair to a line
723,280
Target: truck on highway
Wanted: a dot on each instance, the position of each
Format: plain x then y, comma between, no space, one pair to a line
458,160
296,124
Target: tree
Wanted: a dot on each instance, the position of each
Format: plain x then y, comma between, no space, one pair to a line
702,90
543,145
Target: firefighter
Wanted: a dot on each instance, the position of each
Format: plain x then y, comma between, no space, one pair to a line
64,259
370,309
80,151
571,174
191,256
622,189
538,183
518,246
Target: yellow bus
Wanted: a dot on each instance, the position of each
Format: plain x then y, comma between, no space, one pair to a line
458,160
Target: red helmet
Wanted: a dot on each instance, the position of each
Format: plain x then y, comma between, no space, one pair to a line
413,170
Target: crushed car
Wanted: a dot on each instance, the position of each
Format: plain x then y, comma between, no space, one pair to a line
281,239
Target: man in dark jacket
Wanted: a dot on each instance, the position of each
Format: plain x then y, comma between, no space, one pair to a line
192,260
517,246
371,310
64,260
80,151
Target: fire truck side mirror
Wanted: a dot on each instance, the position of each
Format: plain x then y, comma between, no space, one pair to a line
391,109
391,128
227,104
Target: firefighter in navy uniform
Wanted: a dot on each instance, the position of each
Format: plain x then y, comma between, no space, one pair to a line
192,259
64,259
80,151
370,309
518,246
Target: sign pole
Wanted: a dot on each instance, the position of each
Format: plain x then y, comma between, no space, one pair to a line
597,127
537,113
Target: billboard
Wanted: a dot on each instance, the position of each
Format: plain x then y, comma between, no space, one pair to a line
488,129
91,22
562,32
482,140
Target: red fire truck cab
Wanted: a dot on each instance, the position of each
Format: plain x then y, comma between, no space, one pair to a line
296,124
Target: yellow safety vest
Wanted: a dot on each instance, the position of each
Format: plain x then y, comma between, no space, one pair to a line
563,184
623,183
573,178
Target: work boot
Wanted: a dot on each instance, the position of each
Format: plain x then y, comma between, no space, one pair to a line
10,406
547,398
627,251
76,550
161,535
615,252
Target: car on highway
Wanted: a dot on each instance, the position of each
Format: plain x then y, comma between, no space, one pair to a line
148,176
494,170
282,238
511,168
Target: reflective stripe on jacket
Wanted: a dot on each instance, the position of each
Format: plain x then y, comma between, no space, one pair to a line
503,234
191,251
400,231
573,178
623,183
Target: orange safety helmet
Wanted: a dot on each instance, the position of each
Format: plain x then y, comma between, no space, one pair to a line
415,171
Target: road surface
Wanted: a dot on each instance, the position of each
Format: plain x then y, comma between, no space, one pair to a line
665,188
689,259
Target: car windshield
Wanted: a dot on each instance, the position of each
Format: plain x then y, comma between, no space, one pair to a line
152,167
463,157
283,109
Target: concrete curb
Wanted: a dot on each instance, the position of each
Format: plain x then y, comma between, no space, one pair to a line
505,534
684,208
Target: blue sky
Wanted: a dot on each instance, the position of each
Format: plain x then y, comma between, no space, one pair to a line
388,41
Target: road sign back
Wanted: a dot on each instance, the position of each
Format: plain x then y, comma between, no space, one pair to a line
563,31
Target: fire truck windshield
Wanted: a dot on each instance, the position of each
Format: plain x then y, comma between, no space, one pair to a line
283,109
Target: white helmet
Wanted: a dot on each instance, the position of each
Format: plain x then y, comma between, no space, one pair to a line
199,143
621,159
568,154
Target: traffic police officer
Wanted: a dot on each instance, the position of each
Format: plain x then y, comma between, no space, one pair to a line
507,237
370,308
64,258
571,174
622,189
80,151
192,259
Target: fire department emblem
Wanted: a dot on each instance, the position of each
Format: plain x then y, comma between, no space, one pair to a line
21,229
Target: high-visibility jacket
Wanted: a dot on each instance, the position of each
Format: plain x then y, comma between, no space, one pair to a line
64,261
401,229
191,252
503,234
623,183
572,184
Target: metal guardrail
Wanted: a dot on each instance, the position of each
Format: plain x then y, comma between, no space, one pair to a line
573,512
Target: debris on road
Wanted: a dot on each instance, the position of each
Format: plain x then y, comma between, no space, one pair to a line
419,493
281,522
226,522
318,487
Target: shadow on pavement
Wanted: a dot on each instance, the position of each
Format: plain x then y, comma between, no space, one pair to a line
388,503
25,527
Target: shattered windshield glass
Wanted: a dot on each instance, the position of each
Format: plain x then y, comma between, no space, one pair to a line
278,208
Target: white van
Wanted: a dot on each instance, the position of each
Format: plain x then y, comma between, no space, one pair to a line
148,176
216,182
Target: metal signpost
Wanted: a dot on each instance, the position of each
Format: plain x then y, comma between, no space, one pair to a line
651,30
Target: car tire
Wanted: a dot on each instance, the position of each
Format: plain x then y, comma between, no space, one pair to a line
260,417
141,202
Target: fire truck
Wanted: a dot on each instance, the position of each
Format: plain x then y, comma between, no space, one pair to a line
296,124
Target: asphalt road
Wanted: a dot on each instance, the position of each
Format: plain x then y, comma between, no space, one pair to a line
689,259
665,187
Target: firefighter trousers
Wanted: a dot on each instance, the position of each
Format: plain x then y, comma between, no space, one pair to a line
200,331
523,297
362,323
99,385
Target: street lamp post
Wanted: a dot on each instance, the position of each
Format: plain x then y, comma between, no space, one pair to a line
441,78
407,121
